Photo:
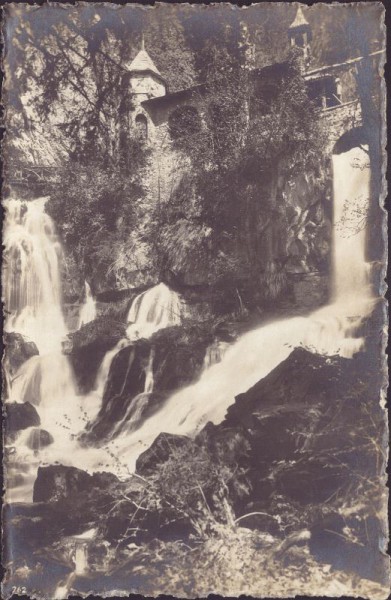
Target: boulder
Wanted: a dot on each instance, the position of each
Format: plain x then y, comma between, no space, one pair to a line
17,351
59,482
158,453
20,415
308,410
39,438
296,381
66,502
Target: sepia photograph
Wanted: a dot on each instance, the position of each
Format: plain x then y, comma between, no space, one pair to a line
194,374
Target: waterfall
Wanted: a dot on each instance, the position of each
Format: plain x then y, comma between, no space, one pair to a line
329,330
88,309
351,204
155,309
104,368
33,299
149,381
135,412
78,558
31,277
214,353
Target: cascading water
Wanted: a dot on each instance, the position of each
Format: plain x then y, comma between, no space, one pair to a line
327,331
149,381
214,353
32,296
32,244
88,309
155,309
33,301
31,278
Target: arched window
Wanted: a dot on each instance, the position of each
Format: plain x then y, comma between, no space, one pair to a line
184,121
142,127
299,40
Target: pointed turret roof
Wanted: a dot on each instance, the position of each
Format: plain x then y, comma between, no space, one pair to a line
300,20
143,62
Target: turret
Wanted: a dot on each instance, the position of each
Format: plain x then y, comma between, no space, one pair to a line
145,80
300,34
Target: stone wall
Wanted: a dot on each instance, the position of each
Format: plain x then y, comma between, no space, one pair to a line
339,120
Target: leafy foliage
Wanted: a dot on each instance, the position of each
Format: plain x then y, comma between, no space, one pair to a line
94,206
237,154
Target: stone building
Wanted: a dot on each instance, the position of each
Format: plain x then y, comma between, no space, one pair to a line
332,88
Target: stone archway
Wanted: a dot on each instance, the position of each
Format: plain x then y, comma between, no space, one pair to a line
355,137
141,122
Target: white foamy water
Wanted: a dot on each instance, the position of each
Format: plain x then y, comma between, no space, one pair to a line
329,330
33,303
31,277
157,308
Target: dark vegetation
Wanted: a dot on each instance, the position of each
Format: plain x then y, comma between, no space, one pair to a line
227,213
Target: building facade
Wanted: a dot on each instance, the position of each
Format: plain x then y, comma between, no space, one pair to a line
332,88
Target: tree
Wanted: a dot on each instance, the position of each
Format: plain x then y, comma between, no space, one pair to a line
241,151
166,43
75,71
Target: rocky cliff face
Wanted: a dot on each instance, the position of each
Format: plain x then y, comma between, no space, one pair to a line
296,243
141,377
308,202
87,347
17,351
297,430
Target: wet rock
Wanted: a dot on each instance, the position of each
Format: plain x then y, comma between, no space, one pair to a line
59,482
126,380
20,415
117,309
17,351
159,452
179,354
87,347
172,357
310,290
39,438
